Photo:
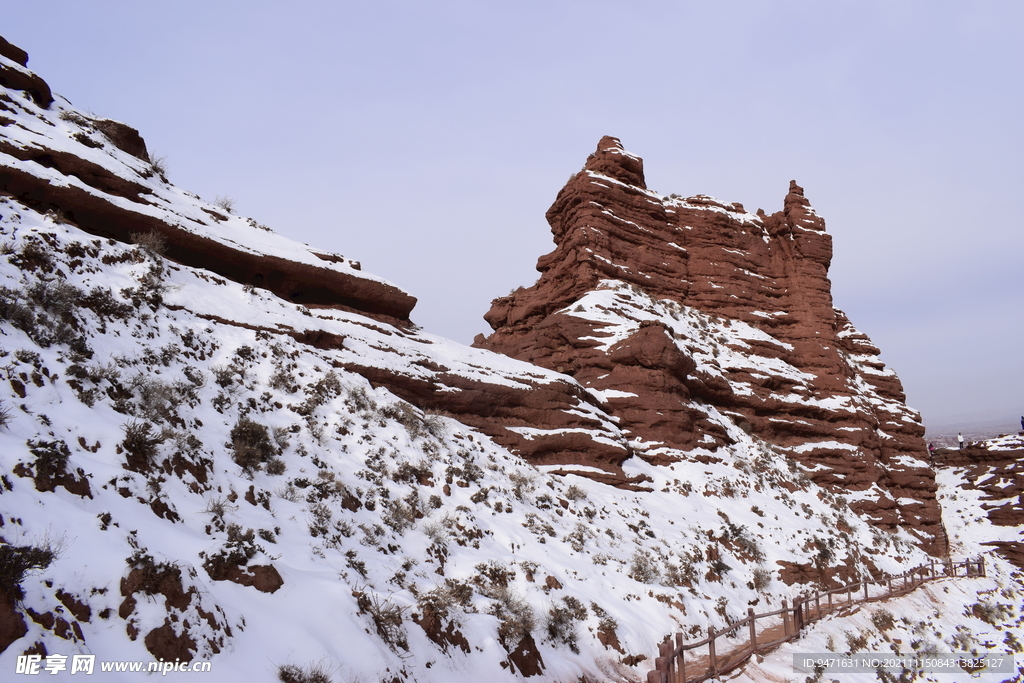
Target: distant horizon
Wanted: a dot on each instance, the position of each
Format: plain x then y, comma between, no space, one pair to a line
427,142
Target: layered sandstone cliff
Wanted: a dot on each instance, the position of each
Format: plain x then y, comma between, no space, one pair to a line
677,311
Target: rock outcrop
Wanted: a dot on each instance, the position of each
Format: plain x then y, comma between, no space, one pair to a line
995,469
97,174
668,306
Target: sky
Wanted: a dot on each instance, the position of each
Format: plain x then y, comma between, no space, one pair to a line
428,139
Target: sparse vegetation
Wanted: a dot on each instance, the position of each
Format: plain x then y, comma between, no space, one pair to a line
5,415
762,579
883,620
224,202
387,618
18,561
151,243
515,615
561,622
643,568
140,441
158,164
292,673
251,445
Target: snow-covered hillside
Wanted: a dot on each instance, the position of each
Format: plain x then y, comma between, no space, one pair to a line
196,468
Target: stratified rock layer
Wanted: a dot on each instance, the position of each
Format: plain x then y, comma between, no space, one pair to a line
809,382
97,174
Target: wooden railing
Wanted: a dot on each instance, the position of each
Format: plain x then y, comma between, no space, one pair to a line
675,665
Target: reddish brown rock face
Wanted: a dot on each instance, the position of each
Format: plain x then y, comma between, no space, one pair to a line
679,311
999,476
87,184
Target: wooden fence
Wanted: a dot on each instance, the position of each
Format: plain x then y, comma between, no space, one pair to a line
677,663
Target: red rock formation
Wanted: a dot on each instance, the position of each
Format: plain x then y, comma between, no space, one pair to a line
999,476
111,198
669,305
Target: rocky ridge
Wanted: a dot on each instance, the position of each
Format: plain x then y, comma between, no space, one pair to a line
668,306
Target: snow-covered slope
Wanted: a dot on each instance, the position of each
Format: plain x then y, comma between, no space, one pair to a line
204,468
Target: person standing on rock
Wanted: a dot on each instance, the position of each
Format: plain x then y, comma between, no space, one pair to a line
960,440
1022,423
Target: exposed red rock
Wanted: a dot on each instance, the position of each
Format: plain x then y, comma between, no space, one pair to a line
17,77
833,406
89,191
999,475
12,623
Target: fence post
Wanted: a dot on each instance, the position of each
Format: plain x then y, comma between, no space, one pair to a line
656,677
785,617
666,659
830,602
981,562
711,651
865,590
681,678
798,615
753,629
889,583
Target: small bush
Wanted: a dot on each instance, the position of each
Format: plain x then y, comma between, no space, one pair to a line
158,400
762,579
399,516
158,164
883,620
5,415
224,375
282,379
251,444
45,311
561,626
857,642
990,612
18,561
224,202
516,617
643,569
151,243
140,441
574,492
292,673
387,618
86,140
607,623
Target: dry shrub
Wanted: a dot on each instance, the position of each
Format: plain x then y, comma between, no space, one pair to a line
387,618
18,561
515,615
140,441
292,673
560,623
251,444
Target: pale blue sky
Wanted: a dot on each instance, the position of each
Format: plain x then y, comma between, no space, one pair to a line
428,139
